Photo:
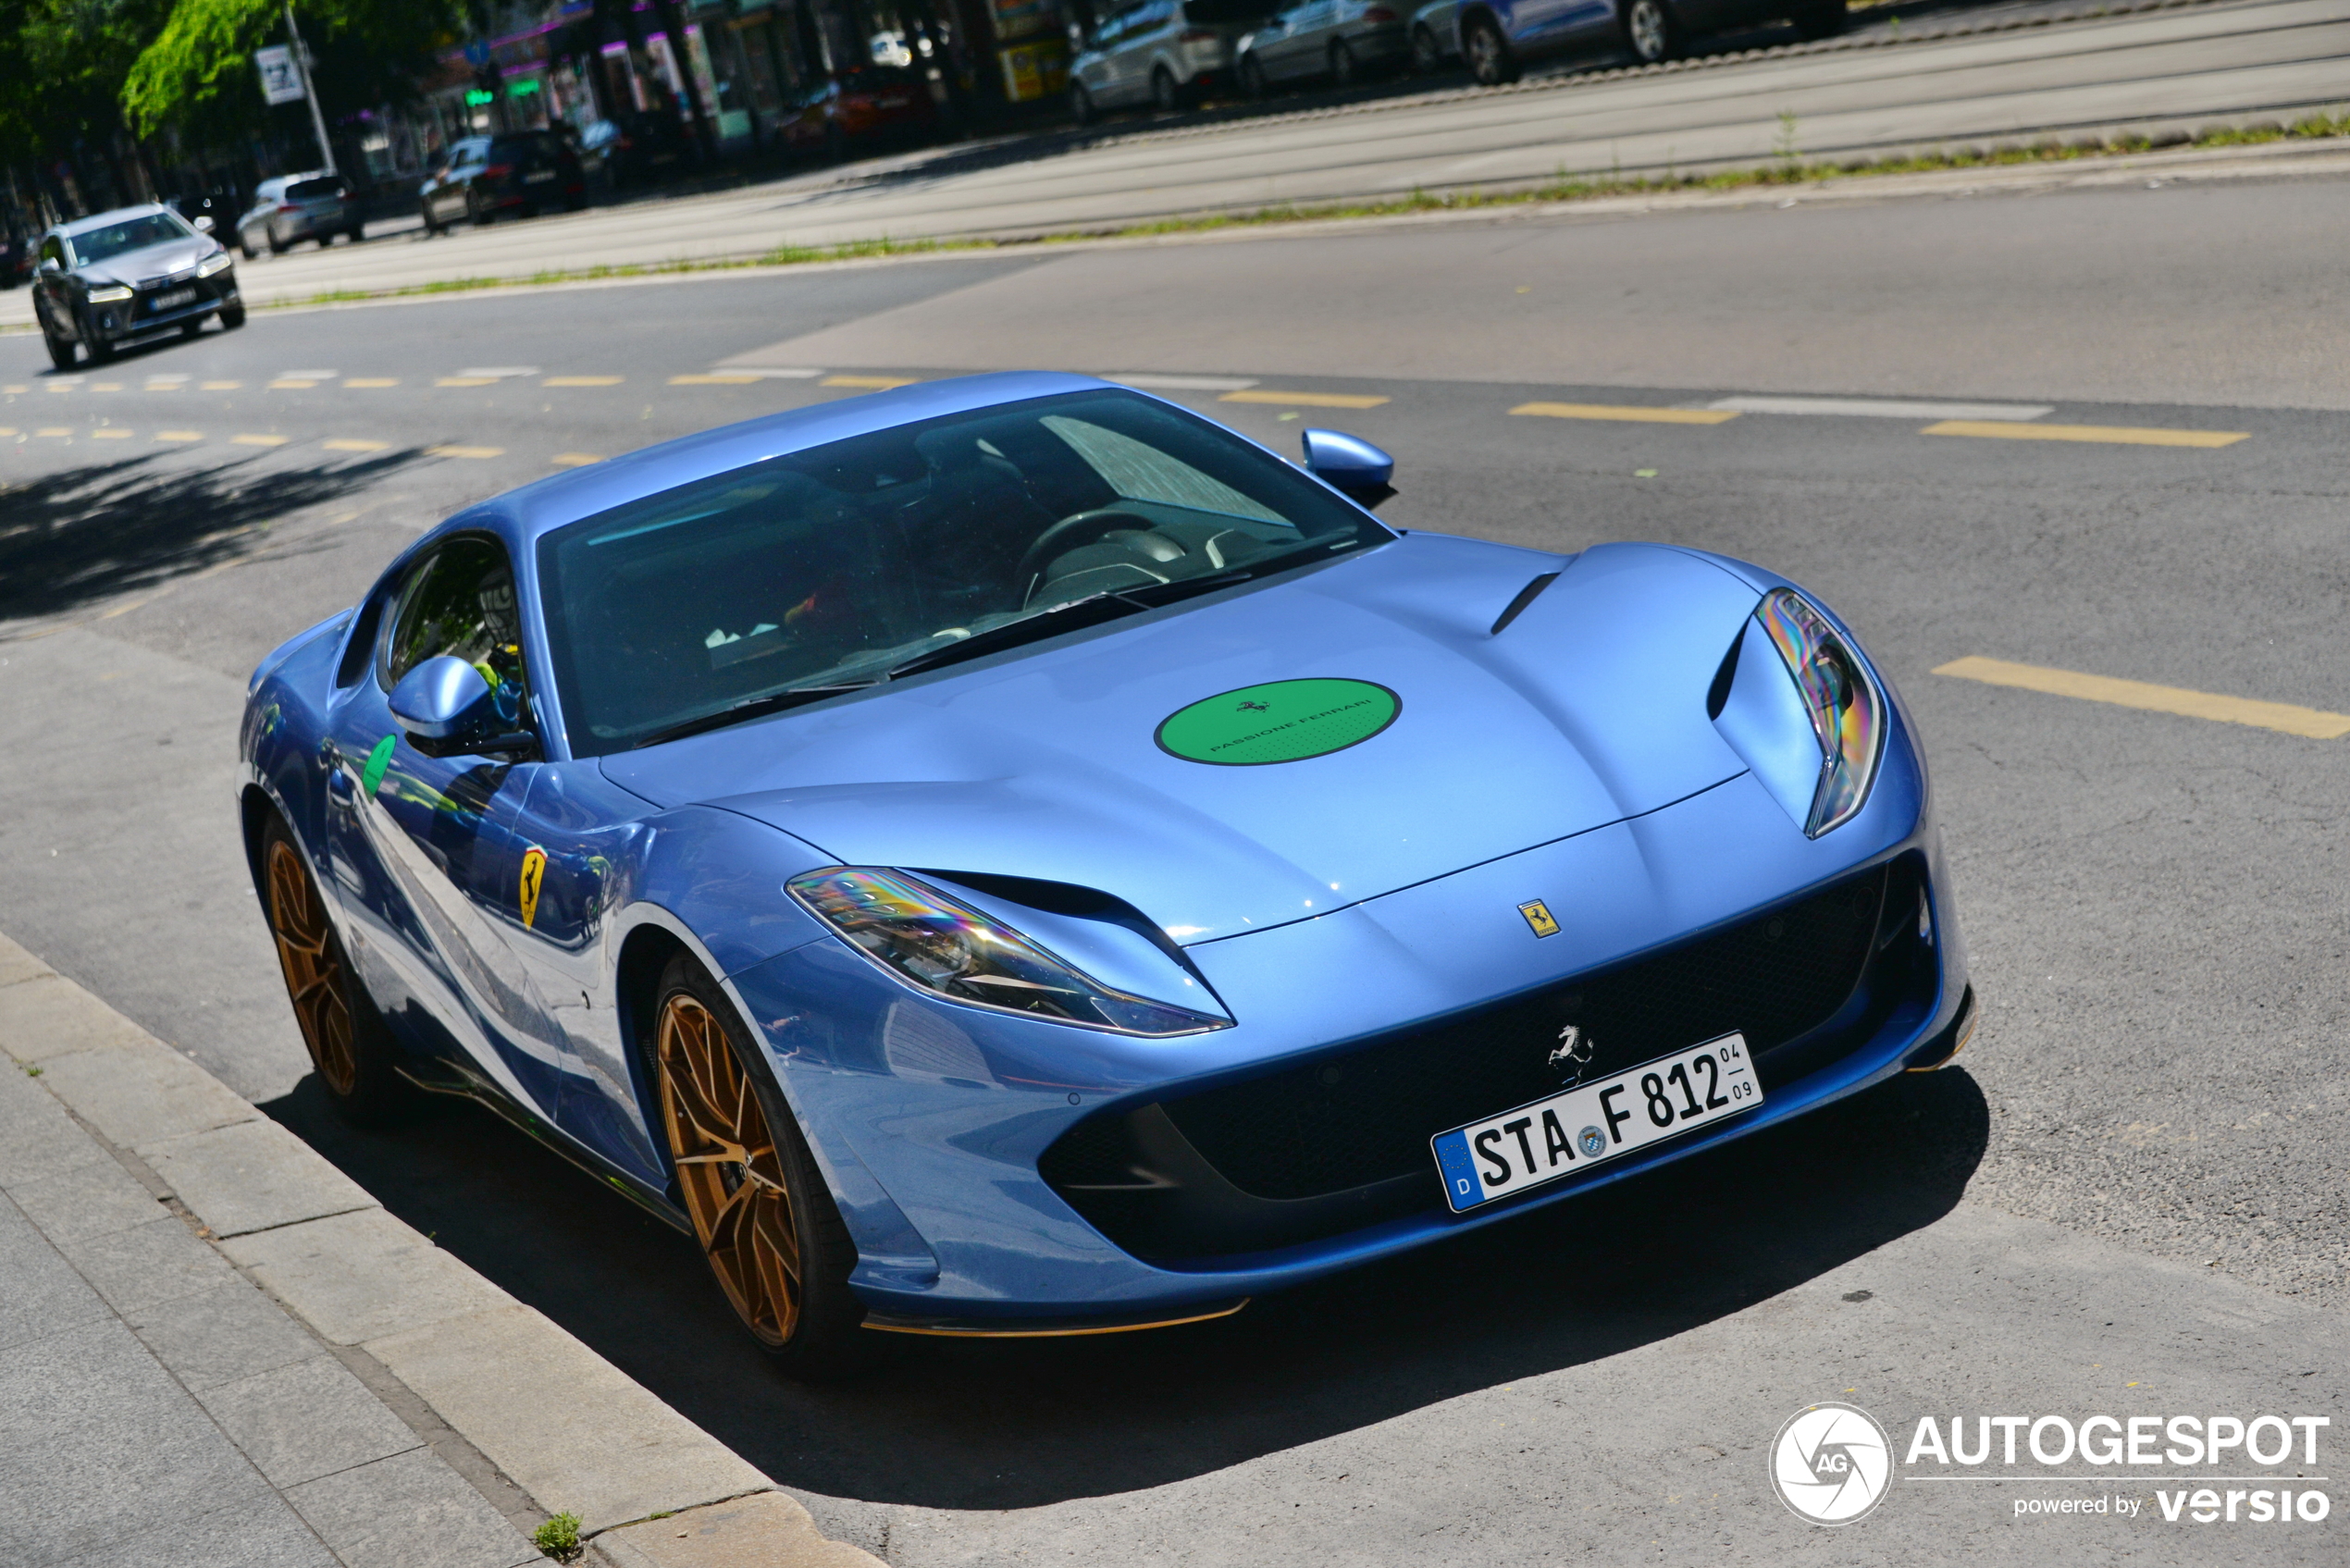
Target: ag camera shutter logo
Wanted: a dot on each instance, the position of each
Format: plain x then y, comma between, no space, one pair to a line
1831,1463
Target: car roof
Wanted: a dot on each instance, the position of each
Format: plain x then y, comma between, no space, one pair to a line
112,215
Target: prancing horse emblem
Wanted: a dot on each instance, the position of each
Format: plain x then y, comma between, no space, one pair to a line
1254,708
1572,1054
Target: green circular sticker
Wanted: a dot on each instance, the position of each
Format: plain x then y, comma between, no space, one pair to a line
1278,722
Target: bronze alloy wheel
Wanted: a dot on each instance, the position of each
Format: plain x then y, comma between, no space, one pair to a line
311,958
729,1169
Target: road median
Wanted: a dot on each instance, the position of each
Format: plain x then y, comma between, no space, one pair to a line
530,1408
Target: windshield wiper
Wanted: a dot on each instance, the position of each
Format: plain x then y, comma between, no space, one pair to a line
750,708
1074,616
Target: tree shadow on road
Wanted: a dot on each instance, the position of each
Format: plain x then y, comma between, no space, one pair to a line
82,536
1014,1424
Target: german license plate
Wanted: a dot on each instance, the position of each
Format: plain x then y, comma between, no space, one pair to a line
541,178
174,300
1595,1123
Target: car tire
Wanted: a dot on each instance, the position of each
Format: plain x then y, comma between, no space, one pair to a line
1428,55
60,353
358,233
190,328
751,1214
244,243
1081,104
1651,30
99,349
1825,19
277,246
1344,71
1166,98
1491,59
231,317
432,229
1253,79
357,1058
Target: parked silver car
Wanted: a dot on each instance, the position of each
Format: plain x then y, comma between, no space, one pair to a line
294,207
1164,53
1343,39
1436,35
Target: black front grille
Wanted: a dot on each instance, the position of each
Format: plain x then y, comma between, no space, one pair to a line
1365,1115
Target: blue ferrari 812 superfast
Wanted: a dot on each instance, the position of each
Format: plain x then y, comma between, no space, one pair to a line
1007,854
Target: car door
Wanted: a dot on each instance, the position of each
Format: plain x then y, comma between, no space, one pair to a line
1298,51
422,847
50,301
1100,71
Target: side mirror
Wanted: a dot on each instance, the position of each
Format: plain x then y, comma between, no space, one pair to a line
203,223
1350,466
49,264
448,709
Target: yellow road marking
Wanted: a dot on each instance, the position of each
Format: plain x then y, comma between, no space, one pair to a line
179,435
574,459
581,381
870,383
111,433
2117,435
165,387
106,386
120,609
1303,400
52,431
466,381
371,381
714,380
219,386
1634,413
259,440
2293,719
465,452
12,389
342,443
283,385
7,429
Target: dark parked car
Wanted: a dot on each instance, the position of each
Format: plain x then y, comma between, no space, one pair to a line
638,148
294,207
17,253
1341,40
127,273
863,103
521,172
1497,36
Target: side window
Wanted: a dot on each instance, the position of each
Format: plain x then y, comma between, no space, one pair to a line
461,601
54,249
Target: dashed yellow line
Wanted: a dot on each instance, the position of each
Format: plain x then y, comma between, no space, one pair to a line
110,433
284,384
2293,719
218,385
179,435
12,389
343,443
870,383
1630,414
54,431
465,452
259,440
1297,399
106,386
7,429
371,382
2115,434
718,380
581,381
574,459
466,381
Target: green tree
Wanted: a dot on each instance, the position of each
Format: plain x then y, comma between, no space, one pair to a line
198,70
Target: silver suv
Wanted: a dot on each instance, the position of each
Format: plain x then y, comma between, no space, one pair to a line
1164,53
299,207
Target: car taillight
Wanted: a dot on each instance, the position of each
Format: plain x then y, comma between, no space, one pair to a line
287,207
496,171
1379,14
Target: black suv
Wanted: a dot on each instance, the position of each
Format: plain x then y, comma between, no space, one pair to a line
126,273
520,172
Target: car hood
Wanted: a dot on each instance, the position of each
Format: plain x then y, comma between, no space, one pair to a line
1588,709
155,260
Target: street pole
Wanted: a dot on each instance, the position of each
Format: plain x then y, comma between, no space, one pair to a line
309,89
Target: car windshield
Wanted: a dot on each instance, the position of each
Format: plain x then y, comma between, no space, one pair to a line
130,234
827,567
315,191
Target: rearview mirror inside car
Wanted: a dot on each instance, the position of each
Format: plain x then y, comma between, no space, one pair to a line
1350,466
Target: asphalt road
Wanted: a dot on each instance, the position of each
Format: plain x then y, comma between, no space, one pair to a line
2131,1196
2199,65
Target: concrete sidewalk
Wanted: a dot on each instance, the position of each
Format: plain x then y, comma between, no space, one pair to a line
216,1352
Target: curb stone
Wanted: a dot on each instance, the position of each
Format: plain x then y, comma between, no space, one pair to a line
454,1355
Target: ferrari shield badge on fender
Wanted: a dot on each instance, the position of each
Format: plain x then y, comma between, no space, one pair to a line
1538,915
372,775
533,871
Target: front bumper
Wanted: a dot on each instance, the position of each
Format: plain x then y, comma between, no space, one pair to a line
931,1120
132,317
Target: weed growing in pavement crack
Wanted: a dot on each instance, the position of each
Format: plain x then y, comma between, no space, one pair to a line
559,1537
1784,149
32,1070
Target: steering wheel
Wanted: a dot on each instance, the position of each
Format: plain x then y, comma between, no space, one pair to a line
1078,527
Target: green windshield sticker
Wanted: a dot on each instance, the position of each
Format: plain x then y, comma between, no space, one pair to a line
377,760
1278,722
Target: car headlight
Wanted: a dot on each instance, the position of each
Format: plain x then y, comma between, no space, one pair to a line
108,296
213,265
930,941
1799,707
